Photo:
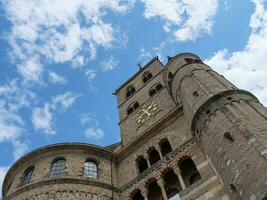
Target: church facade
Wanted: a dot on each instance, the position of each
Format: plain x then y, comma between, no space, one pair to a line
185,131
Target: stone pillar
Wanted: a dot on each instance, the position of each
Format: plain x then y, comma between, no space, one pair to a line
181,180
160,154
144,192
147,160
160,182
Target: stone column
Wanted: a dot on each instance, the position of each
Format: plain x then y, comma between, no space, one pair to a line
160,182
160,154
147,160
181,180
144,192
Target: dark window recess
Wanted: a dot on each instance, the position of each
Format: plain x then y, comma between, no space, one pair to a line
154,156
229,137
147,76
155,89
165,147
189,171
129,92
58,167
27,176
142,164
137,195
132,107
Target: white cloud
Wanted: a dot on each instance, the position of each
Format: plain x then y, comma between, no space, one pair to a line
20,149
13,97
3,171
58,31
31,69
90,74
251,62
88,118
185,19
109,64
77,62
65,100
94,133
42,119
57,79
11,125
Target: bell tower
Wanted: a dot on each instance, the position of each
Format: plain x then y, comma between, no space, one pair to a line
143,101
229,124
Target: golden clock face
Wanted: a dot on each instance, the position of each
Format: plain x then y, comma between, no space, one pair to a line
147,111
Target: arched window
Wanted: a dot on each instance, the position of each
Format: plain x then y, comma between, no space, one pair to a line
129,91
142,164
146,76
132,107
58,167
155,89
165,147
90,169
136,195
27,176
154,191
172,183
189,171
153,156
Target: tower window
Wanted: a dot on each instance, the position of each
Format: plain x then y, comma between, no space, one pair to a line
147,76
132,107
90,169
27,176
58,167
165,147
142,164
153,156
229,137
130,90
155,89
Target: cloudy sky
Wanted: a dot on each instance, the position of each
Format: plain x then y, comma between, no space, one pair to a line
61,60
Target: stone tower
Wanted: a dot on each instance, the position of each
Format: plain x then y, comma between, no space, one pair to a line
186,133
229,124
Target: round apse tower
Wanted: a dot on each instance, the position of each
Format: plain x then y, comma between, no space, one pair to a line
63,171
229,124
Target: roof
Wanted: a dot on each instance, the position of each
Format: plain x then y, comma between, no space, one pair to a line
137,73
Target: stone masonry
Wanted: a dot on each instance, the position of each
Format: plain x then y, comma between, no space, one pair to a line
185,131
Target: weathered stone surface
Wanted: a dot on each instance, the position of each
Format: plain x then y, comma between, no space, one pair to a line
217,135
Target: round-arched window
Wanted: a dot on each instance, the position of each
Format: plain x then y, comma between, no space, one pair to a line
27,176
58,167
90,169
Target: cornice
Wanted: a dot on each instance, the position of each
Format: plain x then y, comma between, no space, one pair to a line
63,180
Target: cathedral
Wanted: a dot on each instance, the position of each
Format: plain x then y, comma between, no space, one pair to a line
186,133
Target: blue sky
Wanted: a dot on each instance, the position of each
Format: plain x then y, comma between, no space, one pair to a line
62,60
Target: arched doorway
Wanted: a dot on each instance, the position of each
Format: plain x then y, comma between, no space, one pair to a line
154,191
172,184
189,171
